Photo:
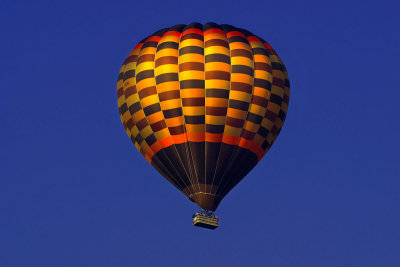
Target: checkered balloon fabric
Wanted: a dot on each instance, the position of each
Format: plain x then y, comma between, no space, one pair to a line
203,104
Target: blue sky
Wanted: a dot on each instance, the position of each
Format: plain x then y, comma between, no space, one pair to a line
75,192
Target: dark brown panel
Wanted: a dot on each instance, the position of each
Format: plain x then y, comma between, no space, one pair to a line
262,66
195,119
191,66
241,53
167,77
247,135
166,60
168,95
217,58
164,45
158,126
215,128
242,69
144,75
192,36
191,50
135,108
258,100
219,75
216,111
270,115
177,130
255,118
243,87
152,109
234,122
145,58
130,91
217,93
130,59
141,124
188,84
237,104
172,113
216,42
193,102
147,92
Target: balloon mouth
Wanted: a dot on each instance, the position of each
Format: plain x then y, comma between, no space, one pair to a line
206,201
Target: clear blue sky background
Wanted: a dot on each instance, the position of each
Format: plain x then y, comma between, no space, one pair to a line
75,192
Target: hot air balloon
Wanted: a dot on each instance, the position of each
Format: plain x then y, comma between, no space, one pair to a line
203,104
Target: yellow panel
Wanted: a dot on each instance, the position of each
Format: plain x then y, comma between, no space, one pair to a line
214,35
138,116
261,58
261,74
239,45
172,122
148,50
162,134
130,66
150,82
169,38
275,58
215,84
129,82
278,74
256,44
215,120
287,90
274,107
242,78
135,131
278,123
191,42
277,90
146,131
256,109
126,116
191,58
167,52
284,107
270,138
166,68
216,102
218,66
121,101
239,95
217,50
143,147
191,75
170,104
259,91
137,146
167,86
195,128
242,61
147,65
267,124
155,117
232,130
149,100
236,113
194,111
258,139
250,126
132,99
191,93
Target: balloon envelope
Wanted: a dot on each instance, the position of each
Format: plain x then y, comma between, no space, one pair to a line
203,104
